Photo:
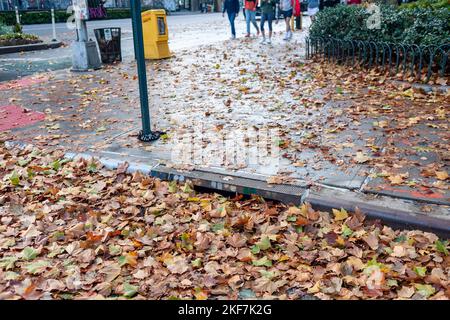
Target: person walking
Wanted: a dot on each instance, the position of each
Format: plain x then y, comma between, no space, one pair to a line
232,9
267,14
313,8
250,15
298,14
287,10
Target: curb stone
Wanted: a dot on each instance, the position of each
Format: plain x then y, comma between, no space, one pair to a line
395,212
30,47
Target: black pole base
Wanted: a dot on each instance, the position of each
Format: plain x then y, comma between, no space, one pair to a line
152,136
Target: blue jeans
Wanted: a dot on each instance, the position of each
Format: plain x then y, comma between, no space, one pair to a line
269,17
250,16
231,17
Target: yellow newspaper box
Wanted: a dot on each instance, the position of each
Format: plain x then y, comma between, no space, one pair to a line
156,35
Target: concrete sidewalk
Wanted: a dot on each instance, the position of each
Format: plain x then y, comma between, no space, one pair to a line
185,32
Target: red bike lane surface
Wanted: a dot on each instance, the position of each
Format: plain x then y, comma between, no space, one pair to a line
21,83
12,116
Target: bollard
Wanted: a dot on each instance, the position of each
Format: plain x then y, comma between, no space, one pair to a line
17,15
53,24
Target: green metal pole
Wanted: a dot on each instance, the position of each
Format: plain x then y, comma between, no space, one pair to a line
133,25
146,133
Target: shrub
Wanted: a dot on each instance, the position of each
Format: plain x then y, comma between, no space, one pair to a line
14,39
415,26
426,4
343,22
4,29
428,27
17,28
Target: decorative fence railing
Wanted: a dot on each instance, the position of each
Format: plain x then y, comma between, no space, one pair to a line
413,60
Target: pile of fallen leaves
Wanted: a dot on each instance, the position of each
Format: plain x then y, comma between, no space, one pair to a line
74,230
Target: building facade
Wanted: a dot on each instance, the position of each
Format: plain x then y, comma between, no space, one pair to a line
171,5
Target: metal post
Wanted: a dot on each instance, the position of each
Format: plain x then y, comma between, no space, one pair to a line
133,26
82,30
84,52
53,24
17,15
146,133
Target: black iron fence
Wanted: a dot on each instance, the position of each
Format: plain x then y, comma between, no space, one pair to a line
420,62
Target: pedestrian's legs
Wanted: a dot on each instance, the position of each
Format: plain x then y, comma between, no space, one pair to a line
247,21
263,20
253,18
269,21
231,17
288,26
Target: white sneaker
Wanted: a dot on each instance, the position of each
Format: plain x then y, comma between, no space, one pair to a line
233,38
290,35
263,41
269,41
286,37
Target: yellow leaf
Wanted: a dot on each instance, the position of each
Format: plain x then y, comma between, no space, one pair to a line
408,93
340,214
165,258
442,175
304,209
382,124
206,204
441,113
315,288
293,211
361,157
413,120
201,295
299,164
340,241
131,258
397,179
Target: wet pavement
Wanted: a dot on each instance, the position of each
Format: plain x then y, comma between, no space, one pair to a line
185,31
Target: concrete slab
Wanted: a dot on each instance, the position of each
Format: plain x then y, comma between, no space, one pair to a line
420,161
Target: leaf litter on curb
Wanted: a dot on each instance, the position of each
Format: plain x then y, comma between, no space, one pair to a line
137,237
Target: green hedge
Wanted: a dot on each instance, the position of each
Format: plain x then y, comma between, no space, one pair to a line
4,29
426,4
15,39
415,26
40,17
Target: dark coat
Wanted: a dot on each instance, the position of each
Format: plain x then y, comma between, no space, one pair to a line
231,6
